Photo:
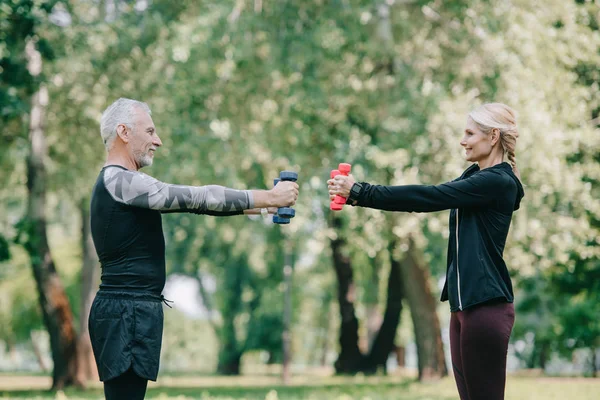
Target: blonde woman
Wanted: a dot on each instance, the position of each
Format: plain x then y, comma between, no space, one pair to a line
478,286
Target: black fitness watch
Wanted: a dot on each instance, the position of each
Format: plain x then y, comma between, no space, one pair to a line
354,193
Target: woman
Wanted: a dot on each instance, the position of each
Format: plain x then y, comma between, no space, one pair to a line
478,285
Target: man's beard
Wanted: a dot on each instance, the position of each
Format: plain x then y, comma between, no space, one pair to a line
144,159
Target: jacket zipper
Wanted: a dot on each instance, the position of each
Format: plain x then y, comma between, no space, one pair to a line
457,270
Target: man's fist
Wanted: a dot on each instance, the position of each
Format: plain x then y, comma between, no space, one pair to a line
284,194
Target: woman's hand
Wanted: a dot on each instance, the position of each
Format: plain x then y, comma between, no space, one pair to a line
340,185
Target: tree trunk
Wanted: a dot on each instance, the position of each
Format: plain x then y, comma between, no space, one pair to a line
230,353
430,350
594,362
90,275
350,357
54,303
544,354
286,339
373,314
383,344
229,362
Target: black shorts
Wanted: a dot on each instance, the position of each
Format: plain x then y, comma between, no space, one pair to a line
126,331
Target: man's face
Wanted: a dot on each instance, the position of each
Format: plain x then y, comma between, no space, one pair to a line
144,139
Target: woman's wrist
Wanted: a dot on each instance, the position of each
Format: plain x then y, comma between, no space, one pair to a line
355,192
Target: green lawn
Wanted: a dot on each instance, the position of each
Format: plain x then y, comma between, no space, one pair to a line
311,388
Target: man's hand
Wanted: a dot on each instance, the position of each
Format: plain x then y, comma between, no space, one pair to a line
340,185
284,194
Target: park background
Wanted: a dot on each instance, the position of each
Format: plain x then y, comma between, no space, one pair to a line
241,90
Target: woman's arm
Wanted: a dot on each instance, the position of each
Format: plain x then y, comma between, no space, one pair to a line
478,190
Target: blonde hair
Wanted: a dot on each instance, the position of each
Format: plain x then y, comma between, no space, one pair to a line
499,116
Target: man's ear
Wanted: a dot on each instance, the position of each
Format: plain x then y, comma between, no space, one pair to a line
495,136
123,133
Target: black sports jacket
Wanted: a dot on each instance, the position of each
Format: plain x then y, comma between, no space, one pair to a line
481,204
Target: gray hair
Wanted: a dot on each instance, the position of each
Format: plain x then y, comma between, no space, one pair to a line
121,111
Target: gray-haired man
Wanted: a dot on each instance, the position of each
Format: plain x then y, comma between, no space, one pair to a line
126,319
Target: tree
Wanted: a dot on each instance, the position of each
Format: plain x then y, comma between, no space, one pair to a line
29,50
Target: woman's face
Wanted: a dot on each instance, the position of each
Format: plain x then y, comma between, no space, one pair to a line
477,144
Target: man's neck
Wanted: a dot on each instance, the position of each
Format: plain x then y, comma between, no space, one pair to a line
123,161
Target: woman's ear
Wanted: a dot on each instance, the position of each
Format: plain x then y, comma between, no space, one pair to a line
495,136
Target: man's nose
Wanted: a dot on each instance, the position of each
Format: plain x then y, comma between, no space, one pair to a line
157,142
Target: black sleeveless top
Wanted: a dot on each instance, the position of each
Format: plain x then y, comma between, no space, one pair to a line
126,223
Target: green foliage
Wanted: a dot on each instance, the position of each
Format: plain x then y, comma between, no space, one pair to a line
239,93
21,21
562,297
19,308
4,249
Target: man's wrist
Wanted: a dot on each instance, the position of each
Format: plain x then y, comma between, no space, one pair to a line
271,198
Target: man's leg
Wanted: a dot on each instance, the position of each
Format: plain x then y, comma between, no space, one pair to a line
128,386
455,351
485,335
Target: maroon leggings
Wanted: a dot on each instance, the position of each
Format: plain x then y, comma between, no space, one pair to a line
479,342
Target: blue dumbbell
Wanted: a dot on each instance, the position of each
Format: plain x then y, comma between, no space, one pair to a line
284,214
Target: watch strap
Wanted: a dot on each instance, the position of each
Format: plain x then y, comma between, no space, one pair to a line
355,192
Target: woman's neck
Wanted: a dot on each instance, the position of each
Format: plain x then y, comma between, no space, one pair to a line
491,160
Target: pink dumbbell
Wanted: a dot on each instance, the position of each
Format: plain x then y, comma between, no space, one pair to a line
339,201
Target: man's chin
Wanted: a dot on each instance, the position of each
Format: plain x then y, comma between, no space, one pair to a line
146,162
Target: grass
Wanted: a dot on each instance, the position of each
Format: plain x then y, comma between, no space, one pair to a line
310,388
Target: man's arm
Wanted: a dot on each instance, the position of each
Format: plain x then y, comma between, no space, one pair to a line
141,190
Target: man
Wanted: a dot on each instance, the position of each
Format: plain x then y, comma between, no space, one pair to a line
126,319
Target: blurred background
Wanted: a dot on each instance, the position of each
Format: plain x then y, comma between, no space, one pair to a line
241,90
